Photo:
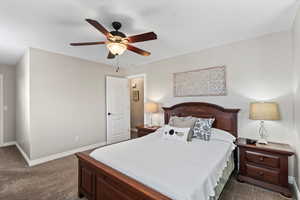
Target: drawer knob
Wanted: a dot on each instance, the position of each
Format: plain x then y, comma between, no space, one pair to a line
261,173
261,158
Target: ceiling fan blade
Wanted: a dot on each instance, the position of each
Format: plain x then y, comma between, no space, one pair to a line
110,55
99,27
86,43
142,37
138,51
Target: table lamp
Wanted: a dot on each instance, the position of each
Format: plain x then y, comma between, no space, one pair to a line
263,111
151,107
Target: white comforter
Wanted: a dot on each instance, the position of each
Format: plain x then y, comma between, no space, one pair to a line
181,171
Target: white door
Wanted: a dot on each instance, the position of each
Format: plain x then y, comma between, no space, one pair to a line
118,109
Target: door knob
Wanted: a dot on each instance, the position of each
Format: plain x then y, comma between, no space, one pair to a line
109,113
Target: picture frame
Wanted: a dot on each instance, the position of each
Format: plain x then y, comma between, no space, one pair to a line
135,95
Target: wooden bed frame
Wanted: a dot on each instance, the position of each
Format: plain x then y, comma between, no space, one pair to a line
97,181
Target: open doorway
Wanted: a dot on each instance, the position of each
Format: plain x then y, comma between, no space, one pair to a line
137,100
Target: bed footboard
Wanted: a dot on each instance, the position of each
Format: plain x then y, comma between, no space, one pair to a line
97,181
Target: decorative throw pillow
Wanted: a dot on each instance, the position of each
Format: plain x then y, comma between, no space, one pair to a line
184,122
174,133
202,128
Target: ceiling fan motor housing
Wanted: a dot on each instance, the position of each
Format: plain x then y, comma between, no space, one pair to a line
118,33
117,25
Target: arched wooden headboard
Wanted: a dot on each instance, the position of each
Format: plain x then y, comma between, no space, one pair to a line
225,119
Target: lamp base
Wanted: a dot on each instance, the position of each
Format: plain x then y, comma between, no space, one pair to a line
262,141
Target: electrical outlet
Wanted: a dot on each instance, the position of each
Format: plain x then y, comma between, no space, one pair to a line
77,138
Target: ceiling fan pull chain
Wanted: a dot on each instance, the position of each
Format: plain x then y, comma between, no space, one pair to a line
118,63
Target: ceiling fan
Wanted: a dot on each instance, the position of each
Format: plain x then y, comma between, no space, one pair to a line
117,42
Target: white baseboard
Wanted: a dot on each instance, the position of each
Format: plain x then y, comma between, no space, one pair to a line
58,155
64,154
293,182
6,144
25,156
296,189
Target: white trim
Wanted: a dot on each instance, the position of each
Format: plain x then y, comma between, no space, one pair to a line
25,156
64,154
6,144
58,155
136,76
296,190
1,110
145,89
293,182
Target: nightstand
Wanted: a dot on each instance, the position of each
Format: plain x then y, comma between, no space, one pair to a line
145,130
265,165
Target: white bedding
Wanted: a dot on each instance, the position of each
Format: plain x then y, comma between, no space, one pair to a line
181,171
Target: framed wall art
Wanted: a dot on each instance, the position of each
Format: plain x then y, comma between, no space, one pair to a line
202,82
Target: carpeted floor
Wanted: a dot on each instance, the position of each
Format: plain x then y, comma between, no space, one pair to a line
57,180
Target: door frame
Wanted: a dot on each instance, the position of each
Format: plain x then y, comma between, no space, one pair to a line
1,110
144,76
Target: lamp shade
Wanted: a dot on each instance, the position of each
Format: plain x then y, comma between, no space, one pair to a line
264,111
151,107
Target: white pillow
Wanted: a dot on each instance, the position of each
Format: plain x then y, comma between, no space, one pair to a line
183,122
218,134
175,133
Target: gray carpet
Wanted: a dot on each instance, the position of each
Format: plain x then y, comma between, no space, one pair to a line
57,180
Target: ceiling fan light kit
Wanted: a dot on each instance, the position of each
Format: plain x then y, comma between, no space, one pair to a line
116,48
117,42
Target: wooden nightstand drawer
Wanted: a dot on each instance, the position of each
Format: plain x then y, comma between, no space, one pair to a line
267,175
265,165
145,130
263,159
142,133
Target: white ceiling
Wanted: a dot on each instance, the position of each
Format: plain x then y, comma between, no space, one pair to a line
182,26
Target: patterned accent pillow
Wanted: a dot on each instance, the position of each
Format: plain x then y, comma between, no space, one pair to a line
202,128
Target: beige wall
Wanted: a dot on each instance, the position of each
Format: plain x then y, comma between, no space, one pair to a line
67,98
67,102
23,103
9,94
137,107
296,34
257,69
